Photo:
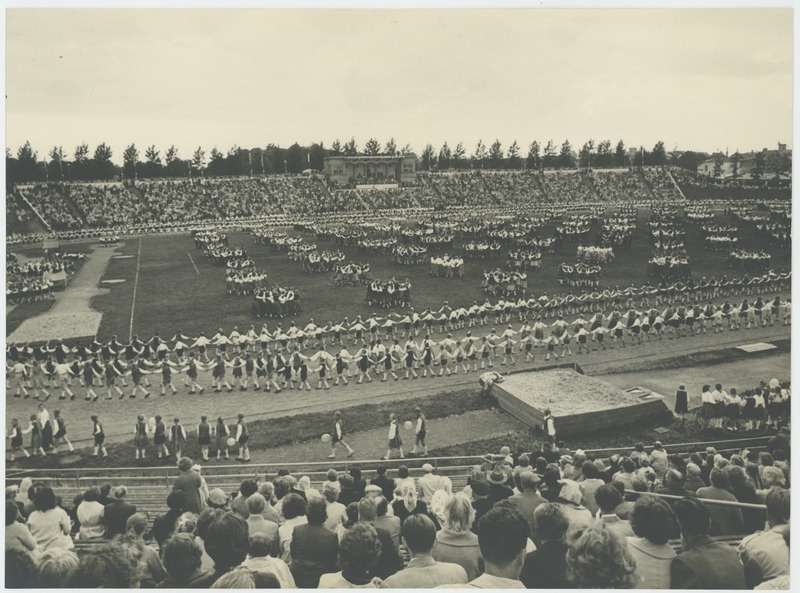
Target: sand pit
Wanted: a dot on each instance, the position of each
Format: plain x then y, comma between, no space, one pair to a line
566,392
580,403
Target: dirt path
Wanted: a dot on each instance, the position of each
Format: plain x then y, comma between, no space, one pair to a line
72,315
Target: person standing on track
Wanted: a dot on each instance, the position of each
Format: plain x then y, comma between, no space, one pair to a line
242,436
177,437
160,438
420,431
395,441
222,434
140,440
99,436
61,431
337,436
204,436
16,440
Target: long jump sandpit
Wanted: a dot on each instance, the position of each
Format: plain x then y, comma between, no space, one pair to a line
579,403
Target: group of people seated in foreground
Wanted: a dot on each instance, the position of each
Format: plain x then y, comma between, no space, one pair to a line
547,518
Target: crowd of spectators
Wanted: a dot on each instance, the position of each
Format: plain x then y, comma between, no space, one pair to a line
568,187
620,186
664,188
51,204
547,518
514,187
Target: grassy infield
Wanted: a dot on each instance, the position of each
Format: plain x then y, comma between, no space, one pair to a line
172,296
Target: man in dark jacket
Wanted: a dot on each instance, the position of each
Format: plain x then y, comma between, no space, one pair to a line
385,483
546,567
117,512
498,490
389,561
164,525
314,548
359,483
480,501
704,563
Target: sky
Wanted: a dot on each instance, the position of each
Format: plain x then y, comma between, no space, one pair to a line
698,79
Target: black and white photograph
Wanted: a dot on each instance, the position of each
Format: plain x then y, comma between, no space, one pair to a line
398,296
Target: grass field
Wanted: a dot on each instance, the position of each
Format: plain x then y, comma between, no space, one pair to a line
172,295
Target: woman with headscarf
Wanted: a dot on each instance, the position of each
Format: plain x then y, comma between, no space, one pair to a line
409,504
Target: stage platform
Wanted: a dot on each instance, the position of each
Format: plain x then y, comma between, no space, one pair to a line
579,403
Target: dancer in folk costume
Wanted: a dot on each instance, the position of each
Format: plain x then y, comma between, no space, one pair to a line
90,374
160,438
15,434
177,437
166,377
204,436
337,436
192,367
218,374
35,430
420,432
395,441
99,436
111,374
140,440
242,437
61,431
222,434
137,371
249,369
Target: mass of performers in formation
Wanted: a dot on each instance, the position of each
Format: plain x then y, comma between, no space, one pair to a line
388,346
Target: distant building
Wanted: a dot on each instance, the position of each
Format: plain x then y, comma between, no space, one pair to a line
747,162
371,170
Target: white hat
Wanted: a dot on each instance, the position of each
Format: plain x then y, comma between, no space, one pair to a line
427,468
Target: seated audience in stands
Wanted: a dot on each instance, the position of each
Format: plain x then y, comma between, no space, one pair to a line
765,554
164,525
703,562
260,560
693,480
227,542
91,515
150,564
653,524
18,537
599,559
116,513
247,488
241,578
48,523
608,499
359,550
386,521
725,519
455,542
423,571
569,498
314,548
502,537
408,504
546,566
389,562
528,499
20,571
383,481
744,491
256,523
181,557
55,569
108,566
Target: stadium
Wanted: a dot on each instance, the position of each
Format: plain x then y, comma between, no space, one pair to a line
579,360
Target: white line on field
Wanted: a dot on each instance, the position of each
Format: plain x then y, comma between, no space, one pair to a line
135,285
195,267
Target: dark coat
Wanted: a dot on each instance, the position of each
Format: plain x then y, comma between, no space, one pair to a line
386,485
315,551
116,517
706,564
546,567
390,560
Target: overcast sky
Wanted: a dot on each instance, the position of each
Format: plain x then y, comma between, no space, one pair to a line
697,79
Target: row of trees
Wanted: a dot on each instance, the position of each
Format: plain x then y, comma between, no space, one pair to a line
152,163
